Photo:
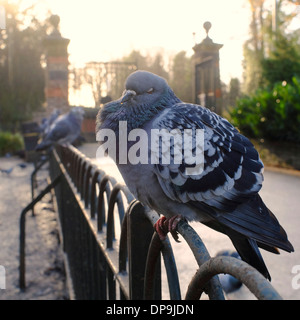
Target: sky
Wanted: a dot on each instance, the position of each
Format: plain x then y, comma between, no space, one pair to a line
103,30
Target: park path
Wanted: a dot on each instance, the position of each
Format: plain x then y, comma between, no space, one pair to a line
44,262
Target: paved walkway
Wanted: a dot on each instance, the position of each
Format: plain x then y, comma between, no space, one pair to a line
44,263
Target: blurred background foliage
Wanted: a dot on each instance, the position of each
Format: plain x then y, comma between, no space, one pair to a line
10,143
272,113
22,77
269,105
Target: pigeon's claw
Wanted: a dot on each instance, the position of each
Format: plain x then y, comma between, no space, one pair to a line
164,225
173,222
160,228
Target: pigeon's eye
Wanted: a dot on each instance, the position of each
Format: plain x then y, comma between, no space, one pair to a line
150,90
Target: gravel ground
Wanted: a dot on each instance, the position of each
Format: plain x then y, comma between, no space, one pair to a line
45,276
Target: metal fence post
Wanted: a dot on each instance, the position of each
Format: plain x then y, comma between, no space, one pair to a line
139,232
23,230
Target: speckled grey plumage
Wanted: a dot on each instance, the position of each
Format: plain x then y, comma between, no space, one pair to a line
64,130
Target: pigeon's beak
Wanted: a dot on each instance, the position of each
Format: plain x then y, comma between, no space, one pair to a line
127,95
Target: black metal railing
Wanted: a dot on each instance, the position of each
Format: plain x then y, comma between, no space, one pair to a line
111,249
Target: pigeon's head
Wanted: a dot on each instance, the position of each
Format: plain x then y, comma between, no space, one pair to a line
56,112
78,112
144,88
145,95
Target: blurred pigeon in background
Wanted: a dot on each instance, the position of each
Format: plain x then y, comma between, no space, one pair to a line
64,130
224,196
9,171
229,283
47,122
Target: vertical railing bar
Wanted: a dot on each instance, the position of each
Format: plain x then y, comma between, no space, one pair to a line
171,269
114,197
93,193
104,187
23,230
151,264
165,248
111,284
81,178
123,246
76,169
87,184
33,177
110,217
139,234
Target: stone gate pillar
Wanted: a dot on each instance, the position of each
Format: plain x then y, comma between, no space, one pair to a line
57,73
206,84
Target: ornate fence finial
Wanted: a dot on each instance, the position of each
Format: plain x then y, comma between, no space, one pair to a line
207,26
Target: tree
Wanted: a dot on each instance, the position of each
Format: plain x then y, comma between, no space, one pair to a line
284,61
105,79
94,73
138,59
157,66
234,91
270,54
22,76
272,110
254,48
181,80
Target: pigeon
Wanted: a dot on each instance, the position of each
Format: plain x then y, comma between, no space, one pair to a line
224,195
229,283
64,130
9,171
47,122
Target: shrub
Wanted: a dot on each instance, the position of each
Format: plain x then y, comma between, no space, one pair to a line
273,113
10,143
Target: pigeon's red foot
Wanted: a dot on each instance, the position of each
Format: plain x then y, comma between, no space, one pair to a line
164,225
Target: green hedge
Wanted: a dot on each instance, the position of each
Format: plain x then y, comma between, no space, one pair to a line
10,143
273,113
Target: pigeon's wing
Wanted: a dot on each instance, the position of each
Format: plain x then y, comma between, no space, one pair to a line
231,171
227,188
59,129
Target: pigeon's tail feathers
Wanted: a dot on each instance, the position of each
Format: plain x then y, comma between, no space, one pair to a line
254,220
249,252
44,145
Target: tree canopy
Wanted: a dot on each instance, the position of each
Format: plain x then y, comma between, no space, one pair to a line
270,107
272,53
22,77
